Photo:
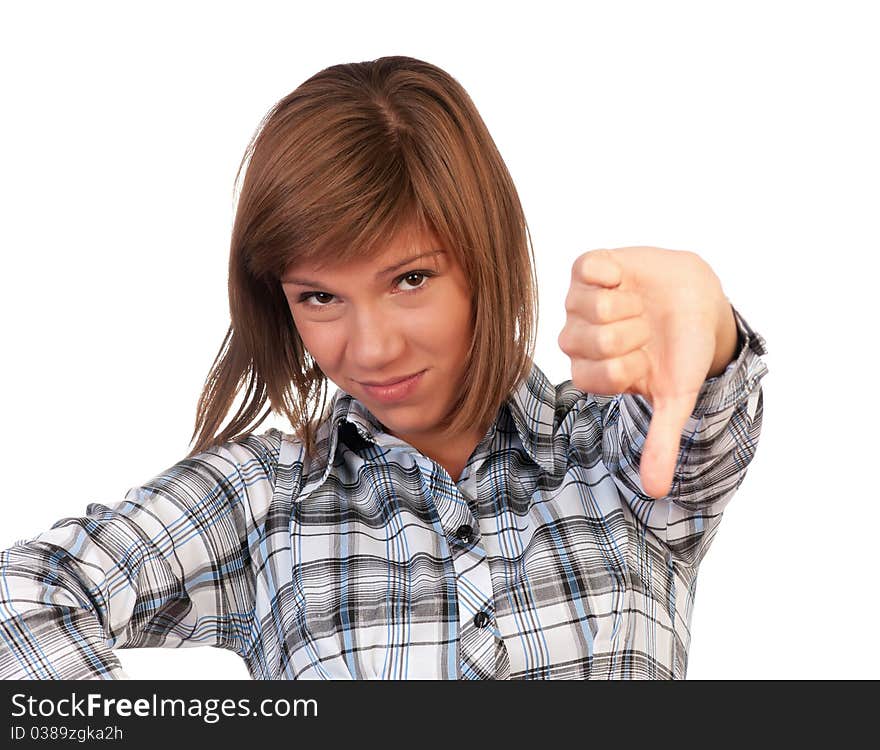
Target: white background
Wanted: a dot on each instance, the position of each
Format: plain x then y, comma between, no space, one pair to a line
746,132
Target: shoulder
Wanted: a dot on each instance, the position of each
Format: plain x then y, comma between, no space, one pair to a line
576,408
284,457
247,463
253,454
280,456
554,408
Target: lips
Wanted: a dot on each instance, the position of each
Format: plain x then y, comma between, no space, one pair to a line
392,381
398,391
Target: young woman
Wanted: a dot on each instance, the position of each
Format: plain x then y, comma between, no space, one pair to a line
451,513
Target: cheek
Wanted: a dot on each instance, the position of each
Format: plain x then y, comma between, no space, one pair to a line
321,341
444,329
460,314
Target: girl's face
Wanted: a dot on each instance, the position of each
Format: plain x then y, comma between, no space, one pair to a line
407,312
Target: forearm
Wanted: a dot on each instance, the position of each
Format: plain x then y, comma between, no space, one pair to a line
50,628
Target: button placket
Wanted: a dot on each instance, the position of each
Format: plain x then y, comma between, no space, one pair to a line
479,644
465,533
473,579
475,600
453,510
481,619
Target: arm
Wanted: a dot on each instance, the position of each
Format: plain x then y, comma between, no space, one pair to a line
167,566
717,445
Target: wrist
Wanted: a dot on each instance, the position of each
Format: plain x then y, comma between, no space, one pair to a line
726,340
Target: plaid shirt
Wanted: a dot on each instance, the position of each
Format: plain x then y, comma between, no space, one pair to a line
365,560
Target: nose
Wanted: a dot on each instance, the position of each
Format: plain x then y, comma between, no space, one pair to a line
375,341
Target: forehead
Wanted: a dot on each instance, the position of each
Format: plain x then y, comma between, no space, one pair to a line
409,243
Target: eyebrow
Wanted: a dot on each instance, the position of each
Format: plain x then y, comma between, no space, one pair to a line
379,275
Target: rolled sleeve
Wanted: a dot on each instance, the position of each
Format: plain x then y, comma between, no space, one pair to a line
717,445
166,566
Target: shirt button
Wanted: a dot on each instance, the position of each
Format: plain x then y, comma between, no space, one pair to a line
481,619
465,533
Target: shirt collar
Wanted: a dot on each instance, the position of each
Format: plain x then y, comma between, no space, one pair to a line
531,405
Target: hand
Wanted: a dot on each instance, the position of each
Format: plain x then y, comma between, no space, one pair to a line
647,321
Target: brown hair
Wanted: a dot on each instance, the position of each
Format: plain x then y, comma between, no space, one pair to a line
354,155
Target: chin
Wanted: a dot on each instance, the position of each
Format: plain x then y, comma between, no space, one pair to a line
412,423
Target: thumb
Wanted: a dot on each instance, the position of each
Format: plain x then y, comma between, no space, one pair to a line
661,448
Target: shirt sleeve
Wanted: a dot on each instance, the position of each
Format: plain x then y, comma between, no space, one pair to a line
717,446
167,566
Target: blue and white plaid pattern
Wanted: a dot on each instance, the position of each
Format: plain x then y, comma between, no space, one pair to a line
365,560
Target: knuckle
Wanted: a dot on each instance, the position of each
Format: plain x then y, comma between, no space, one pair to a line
615,374
562,340
584,262
580,375
568,339
606,341
604,307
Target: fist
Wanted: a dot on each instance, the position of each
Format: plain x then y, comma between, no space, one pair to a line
645,320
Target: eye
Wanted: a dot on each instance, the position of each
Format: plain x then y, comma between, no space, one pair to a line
412,281
408,277
304,298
